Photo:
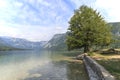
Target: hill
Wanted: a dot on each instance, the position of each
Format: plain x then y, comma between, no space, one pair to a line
9,43
115,28
116,34
57,42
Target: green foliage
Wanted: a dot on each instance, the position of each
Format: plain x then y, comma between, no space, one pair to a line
116,34
87,28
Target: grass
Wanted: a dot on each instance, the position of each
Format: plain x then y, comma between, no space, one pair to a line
113,66
111,62
118,49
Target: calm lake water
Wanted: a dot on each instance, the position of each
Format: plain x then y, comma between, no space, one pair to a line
37,65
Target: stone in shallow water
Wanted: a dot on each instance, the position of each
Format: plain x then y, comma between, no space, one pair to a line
35,75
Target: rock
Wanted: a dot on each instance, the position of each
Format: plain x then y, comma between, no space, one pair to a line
80,57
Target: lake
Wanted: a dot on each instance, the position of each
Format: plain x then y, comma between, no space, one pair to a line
38,65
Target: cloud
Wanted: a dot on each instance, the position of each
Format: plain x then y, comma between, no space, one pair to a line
6,30
37,12
34,19
40,19
109,8
3,3
78,3
41,12
30,32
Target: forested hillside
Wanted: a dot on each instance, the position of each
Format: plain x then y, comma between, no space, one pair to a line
58,40
116,34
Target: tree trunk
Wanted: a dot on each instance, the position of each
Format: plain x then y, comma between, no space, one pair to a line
86,49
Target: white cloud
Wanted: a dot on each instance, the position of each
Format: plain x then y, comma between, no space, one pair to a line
6,30
29,32
78,3
3,3
22,29
45,3
109,9
54,18
18,4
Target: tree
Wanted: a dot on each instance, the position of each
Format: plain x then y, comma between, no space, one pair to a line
86,29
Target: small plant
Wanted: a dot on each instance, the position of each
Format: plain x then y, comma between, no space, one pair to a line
90,54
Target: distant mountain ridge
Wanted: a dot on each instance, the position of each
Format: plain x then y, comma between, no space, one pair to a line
116,34
115,28
57,42
18,43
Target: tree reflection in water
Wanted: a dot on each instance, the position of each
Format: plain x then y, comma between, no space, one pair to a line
76,71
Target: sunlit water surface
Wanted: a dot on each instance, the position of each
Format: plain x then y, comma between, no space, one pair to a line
34,65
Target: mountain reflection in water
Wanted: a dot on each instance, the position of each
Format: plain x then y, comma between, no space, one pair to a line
37,65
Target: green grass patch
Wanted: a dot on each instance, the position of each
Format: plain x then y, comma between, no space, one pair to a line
91,54
113,66
110,62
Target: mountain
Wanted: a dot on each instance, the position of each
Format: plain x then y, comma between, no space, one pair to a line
57,42
116,34
115,28
18,43
3,46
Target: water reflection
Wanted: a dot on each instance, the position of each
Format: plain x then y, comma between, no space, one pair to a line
58,71
75,71
50,71
14,65
37,65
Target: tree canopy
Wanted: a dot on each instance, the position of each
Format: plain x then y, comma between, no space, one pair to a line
87,28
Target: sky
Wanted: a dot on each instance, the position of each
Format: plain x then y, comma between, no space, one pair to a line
39,20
